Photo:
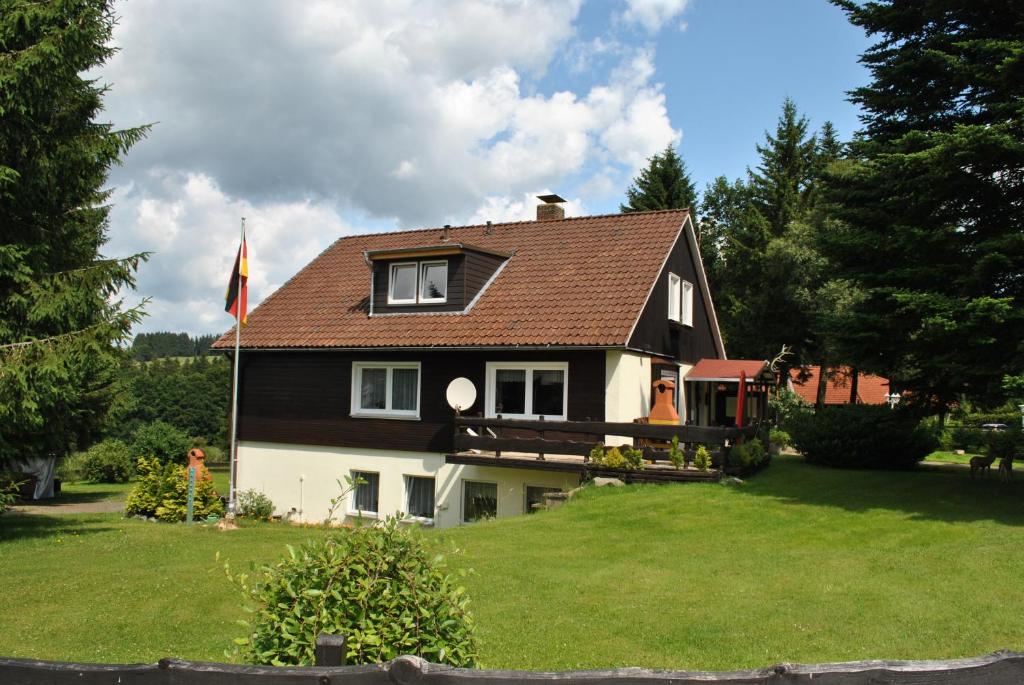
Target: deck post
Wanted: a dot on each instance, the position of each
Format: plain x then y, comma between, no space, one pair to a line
499,432
330,650
540,434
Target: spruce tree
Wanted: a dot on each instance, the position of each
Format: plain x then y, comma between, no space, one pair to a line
933,195
663,184
60,316
781,184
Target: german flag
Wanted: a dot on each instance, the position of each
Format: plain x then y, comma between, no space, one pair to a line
235,302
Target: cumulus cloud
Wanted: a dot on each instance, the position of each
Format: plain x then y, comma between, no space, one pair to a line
653,14
314,118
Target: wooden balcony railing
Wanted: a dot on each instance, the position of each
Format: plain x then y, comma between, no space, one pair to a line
579,437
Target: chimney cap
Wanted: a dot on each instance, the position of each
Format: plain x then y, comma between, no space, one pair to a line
551,199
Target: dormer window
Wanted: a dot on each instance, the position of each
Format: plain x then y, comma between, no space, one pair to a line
418,283
433,282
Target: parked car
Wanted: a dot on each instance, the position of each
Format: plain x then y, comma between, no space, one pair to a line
994,427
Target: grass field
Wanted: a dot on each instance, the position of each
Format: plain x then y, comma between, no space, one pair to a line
798,564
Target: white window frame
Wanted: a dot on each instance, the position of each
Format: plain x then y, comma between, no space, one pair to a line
406,478
387,412
353,509
675,287
462,507
422,279
492,369
391,283
686,304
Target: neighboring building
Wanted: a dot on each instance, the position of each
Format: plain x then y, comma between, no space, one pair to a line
343,370
712,391
871,389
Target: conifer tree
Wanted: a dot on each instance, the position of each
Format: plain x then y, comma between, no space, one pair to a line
59,314
663,184
781,184
932,198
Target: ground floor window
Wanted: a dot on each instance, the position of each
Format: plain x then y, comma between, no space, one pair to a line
386,389
535,496
479,500
419,496
527,389
367,492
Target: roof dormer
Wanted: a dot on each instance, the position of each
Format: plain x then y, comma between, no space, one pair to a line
430,278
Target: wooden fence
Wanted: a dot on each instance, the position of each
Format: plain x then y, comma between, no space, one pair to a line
1001,668
579,437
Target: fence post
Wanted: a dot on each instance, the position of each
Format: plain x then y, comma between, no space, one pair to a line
540,434
190,504
330,650
499,433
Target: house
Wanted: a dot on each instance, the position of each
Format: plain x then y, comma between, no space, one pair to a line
344,370
712,390
871,389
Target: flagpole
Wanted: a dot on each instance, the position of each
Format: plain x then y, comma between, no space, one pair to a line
234,383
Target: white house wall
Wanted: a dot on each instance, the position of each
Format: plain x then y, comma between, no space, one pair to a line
627,390
305,478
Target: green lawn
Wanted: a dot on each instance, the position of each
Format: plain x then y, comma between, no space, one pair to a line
73,493
798,564
951,457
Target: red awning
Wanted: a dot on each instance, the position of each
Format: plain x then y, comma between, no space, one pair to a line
727,370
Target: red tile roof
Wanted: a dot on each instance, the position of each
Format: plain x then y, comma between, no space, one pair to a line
578,281
871,389
728,369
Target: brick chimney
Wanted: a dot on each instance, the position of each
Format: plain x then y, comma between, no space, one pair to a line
550,208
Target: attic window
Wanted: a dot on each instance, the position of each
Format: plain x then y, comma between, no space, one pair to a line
418,283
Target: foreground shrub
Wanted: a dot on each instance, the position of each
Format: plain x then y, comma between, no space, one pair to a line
162,492
634,458
702,458
779,437
860,436
254,504
161,440
109,461
748,453
10,485
379,586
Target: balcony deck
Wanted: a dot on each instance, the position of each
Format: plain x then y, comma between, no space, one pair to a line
654,472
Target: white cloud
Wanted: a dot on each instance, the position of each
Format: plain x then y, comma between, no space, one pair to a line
193,234
521,208
653,14
400,112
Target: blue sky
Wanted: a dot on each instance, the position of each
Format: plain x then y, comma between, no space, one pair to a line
320,119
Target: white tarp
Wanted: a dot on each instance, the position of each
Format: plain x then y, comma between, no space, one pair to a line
43,469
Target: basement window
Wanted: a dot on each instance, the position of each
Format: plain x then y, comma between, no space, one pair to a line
419,501
479,501
366,496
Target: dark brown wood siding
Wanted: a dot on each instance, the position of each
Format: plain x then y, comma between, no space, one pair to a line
305,397
656,333
479,269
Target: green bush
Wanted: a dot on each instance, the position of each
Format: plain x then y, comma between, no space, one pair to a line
779,437
613,459
748,453
676,455
379,586
1003,444
161,440
634,458
162,492
967,438
10,484
702,459
71,468
787,406
597,454
862,437
255,505
109,461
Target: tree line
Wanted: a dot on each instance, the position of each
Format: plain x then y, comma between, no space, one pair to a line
147,346
899,252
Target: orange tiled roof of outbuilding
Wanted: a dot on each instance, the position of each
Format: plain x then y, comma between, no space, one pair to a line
581,281
871,389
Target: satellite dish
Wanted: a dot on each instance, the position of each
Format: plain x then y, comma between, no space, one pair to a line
461,394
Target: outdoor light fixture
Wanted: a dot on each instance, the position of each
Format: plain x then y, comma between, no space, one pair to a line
893,399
